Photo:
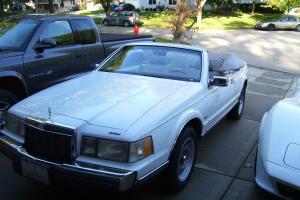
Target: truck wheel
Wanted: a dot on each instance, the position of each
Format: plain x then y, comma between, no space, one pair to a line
182,160
271,27
7,99
105,23
126,24
237,111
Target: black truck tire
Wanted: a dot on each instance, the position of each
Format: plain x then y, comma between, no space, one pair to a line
7,99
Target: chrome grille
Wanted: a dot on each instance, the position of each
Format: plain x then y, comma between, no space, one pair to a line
49,142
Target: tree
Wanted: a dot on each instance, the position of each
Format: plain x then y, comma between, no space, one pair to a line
105,5
178,18
199,9
218,3
284,5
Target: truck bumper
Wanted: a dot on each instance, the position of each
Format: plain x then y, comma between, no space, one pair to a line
48,172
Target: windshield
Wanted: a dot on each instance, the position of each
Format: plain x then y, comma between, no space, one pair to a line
156,61
14,32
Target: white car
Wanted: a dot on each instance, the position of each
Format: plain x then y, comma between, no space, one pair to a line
278,156
140,112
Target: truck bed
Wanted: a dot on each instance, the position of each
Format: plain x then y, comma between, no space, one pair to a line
110,37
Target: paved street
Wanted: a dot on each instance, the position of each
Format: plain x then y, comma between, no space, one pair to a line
224,167
278,50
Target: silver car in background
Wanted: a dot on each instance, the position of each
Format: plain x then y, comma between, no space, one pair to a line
122,18
284,23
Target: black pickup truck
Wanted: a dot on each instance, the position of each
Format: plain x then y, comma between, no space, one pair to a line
37,51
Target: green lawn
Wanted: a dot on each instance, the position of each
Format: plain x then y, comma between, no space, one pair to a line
210,20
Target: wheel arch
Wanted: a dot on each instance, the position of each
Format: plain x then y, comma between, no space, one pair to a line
14,82
194,120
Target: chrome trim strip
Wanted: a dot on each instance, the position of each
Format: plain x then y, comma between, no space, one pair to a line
48,130
153,171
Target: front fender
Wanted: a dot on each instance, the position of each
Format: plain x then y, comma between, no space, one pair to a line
183,120
16,75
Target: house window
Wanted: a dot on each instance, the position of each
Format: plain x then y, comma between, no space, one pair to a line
152,2
172,2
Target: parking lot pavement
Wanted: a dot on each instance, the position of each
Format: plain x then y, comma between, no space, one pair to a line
278,50
224,166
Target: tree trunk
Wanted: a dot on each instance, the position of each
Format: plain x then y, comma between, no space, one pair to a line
199,17
200,6
51,6
253,6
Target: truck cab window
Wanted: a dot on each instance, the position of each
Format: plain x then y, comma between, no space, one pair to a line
60,31
85,31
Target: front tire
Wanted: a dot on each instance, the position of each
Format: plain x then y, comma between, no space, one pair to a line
126,24
182,160
105,23
7,99
298,28
237,111
271,27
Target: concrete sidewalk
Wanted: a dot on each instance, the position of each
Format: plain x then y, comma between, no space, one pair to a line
279,50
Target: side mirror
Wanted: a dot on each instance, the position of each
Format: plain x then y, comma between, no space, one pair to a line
219,81
45,44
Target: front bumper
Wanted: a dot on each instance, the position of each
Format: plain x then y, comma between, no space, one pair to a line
276,179
104,177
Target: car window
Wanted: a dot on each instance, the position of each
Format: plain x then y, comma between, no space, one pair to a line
85,31
284,19
292,19
11,29
156,61
60,31
114,14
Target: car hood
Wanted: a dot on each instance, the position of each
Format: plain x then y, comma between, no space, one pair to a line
280,129
103,99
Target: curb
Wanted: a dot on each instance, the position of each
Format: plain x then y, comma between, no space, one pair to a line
294,87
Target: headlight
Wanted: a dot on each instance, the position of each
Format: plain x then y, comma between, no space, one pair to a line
116,150
15,124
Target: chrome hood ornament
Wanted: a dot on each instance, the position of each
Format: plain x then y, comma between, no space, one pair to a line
49,113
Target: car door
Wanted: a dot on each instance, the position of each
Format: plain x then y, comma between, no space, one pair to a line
121,18
113,19
292,22
282,23
87,37
50,66
216,102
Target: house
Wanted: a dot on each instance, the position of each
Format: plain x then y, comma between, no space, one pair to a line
59,5
151,4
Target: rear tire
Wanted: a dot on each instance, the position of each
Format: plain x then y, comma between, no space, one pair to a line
298,28
182,160
237,111
126,24
271,27
7,99
105,23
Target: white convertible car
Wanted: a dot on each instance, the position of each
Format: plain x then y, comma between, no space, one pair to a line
278,155
140,112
